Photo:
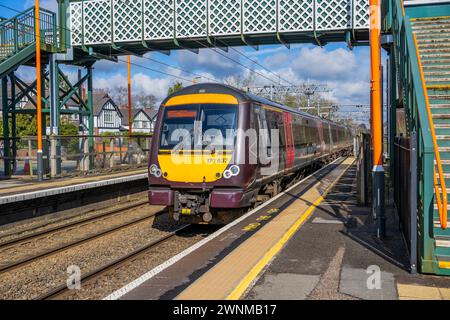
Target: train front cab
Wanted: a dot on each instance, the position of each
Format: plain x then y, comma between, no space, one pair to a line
201,178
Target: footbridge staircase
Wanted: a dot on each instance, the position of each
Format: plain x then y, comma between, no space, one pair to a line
420,89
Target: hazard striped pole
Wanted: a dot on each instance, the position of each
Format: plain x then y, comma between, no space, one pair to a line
376,117
40,163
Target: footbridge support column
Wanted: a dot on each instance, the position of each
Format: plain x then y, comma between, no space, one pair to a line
5,118
55,143
377,122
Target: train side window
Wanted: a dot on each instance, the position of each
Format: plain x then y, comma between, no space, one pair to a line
326,134
264,129
275,122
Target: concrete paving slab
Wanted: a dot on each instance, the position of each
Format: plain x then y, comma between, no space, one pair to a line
354,282
284,286
445,293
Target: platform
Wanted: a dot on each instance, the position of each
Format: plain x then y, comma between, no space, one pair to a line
20,190
310,242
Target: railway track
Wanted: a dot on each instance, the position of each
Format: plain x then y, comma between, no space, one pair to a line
73,224
27,260
63,289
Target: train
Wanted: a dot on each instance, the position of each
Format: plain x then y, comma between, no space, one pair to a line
218,151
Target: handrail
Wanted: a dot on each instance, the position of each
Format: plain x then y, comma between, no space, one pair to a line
18,32
442,207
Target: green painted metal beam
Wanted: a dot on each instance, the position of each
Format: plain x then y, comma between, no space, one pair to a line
6,137
428,10
91,117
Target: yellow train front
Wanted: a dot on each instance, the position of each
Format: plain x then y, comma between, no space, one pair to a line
216,151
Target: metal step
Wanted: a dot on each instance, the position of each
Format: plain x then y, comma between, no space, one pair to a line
434,45
431,27
427,40
437,223
433,50
448,205
439,97
440,105
437,73
435,55
437,87
443,258
429,20
443,137
436,79
431,62
433,68
435,31
441,241
421,36
441,116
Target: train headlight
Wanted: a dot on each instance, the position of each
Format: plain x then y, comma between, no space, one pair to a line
234,169
227,174
155,171
232,172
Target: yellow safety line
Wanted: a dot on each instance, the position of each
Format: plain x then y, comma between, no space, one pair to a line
248,279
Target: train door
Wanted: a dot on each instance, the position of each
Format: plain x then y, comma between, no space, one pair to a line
321,142
290,151
264,143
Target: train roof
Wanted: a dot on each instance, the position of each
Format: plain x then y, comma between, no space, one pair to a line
242,97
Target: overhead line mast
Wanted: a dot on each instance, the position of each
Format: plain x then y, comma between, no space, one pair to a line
376,117
37,31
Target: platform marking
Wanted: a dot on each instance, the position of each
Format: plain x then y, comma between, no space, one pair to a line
263,218
240,289
251,227
326,221
147,276
418,292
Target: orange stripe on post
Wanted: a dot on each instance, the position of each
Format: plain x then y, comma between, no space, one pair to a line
375,52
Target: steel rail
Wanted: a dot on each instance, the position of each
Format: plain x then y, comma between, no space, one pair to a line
70,225
60,290
64,247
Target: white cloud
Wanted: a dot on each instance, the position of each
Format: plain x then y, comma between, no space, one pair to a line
140,83
321,64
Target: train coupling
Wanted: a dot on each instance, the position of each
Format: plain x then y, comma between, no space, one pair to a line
191,205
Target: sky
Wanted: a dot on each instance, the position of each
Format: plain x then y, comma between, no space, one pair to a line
347,72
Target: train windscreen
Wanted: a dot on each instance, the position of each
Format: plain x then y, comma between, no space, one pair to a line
199,126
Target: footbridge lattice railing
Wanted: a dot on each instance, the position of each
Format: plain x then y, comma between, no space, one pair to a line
97,22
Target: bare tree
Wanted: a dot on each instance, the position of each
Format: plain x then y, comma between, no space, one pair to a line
144,101
240,81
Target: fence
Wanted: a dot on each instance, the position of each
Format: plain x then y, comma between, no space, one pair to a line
405,190
363,163
65,155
